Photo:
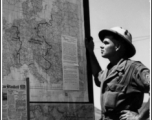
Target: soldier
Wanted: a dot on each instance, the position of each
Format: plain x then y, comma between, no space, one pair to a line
124,81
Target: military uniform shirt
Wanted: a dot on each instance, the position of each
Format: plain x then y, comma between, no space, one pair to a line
117,92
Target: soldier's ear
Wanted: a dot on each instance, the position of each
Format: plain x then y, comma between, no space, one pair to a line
117,47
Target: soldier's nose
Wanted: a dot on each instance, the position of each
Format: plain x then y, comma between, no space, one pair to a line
101,47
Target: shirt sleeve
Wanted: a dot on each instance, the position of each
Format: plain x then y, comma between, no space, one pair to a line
142,77
100,75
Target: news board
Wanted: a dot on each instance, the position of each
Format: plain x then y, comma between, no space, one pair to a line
43,40
15,100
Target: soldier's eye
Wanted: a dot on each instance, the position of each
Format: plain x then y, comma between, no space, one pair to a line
106,42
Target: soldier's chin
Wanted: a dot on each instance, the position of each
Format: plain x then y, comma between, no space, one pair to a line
104,56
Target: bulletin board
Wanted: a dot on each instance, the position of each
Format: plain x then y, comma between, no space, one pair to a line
43,41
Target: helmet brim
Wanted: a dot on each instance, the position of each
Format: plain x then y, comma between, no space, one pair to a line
130,49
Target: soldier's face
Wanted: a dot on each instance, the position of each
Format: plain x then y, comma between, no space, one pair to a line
108,49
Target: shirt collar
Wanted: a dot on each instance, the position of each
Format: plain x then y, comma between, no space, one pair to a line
120,66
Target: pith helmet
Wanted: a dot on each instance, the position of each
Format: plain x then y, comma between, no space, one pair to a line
124,35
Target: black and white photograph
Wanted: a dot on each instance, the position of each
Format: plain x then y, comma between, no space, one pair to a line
80,59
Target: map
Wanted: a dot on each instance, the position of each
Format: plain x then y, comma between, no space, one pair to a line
43,40
61,111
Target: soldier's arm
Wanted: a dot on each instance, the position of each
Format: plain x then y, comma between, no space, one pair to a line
144,113
144,76
95,67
